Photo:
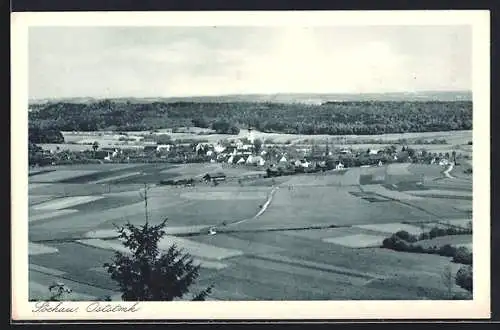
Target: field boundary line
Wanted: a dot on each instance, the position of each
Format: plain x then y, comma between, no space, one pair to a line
316,266
406,203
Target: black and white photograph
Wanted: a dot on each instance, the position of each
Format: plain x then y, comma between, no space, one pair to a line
225,160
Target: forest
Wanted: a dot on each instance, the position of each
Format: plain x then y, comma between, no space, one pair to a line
335,118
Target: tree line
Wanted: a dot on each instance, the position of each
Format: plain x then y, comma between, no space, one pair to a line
335,118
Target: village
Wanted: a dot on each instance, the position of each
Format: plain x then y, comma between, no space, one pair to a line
247,151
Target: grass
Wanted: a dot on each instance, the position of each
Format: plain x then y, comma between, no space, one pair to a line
67,202
379,261
60,175
452,137
452,240
428,171
81,291
34,249
316,269
392,228
225,195
77,189
48,215
398,169
357,240
213,212
108,203
307,206
34,199
105,173
393,194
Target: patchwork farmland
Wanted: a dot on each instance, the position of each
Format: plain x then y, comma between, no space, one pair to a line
301,237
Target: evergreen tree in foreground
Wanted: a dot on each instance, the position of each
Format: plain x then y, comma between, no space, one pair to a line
148,274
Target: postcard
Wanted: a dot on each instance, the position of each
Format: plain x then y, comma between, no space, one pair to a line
250,165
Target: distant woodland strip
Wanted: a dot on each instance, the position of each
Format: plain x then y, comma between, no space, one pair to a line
334,118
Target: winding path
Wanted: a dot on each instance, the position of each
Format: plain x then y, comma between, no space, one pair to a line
448,170
262,210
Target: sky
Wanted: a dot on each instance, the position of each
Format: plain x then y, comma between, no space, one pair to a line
196,61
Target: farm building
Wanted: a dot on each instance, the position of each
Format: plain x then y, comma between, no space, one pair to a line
283,159
241,160
218,176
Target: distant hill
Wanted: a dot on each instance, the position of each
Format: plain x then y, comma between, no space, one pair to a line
307,98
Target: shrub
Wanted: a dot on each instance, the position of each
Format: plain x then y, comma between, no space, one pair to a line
389,243
418,249
400,245
463,256
423,236
404,235
464,278
433,233
447,251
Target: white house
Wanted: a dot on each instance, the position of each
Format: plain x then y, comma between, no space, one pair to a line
241,160
210,153
259,161
305,163
165,147
249,160
283,159
373,152
219,148
339,166
230,160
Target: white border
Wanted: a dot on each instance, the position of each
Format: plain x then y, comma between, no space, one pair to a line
479,307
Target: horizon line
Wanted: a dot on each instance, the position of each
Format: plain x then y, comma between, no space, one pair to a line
251,94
